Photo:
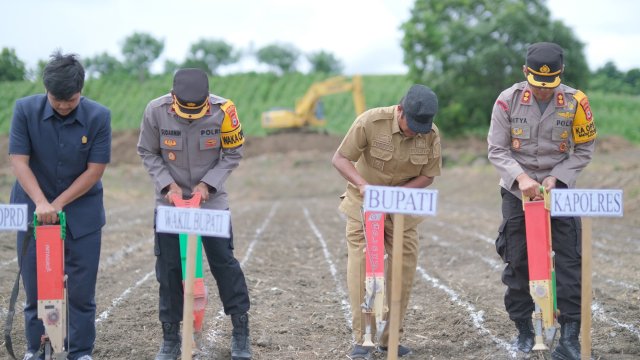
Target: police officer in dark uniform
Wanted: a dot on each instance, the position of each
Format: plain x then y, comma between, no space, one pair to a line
59,147
542,133
190,142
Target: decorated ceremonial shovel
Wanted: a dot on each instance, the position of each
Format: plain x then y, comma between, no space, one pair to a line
375,302
542,276
52,290
198,291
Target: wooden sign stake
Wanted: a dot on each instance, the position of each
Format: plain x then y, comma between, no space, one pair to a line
396,286
585,327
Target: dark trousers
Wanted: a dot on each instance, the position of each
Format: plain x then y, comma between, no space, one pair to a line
82,256
226,270
511,245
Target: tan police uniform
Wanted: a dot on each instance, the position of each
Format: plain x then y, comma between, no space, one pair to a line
558,143
207,149
188,152
383,156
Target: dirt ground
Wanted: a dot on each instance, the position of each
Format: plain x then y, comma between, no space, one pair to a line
289,238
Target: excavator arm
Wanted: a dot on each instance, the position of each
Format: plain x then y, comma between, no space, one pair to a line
308,108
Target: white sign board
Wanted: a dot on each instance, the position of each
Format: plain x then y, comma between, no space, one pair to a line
586,202
393,199
175,220
13,217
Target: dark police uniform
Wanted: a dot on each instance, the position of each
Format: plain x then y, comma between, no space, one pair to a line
558,142
59,150
188,152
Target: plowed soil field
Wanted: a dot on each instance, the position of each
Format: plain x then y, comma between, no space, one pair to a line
289,238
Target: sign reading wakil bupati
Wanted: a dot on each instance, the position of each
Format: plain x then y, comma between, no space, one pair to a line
13,217
586,202
175,220
400,200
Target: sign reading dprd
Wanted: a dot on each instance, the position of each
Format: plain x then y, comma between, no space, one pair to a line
13,217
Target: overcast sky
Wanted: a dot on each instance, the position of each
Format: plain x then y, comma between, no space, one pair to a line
363,34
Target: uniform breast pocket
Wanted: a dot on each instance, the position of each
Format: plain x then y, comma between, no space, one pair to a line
520,136
209,150
379,157
80,153
560,133
520,132
419,156
172,150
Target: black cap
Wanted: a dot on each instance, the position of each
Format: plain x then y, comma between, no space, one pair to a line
544,64
419,106
190,93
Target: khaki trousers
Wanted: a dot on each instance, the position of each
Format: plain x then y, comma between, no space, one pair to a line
356,272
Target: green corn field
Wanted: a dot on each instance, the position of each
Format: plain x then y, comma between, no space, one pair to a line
254,93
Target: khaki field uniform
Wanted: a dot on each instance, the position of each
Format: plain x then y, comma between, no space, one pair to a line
383,156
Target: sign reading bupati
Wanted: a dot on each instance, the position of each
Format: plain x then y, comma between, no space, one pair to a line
391,199
13,217
205,222
586,202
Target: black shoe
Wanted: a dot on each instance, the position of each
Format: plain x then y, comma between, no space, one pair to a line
402,350
240,339
170,348
568,346
526,338
360,352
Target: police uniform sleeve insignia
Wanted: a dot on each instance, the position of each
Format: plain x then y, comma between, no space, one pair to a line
231,130
503,105
584,128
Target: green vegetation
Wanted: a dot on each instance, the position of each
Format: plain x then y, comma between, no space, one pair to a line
469,51
615,114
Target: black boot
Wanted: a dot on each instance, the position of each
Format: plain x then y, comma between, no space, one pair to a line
240,340
525,335
568,346
170,348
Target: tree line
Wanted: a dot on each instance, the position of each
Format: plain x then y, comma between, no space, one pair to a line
141,50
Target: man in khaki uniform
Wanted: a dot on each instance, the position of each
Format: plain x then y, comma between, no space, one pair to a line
542,133
391,146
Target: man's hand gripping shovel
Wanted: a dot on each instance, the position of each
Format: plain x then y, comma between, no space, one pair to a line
52,289
542,276
193,281
375,300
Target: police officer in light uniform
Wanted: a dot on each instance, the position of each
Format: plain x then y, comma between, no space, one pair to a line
542,133
391,146
190,142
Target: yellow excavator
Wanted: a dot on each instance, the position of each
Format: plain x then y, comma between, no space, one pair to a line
309,110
